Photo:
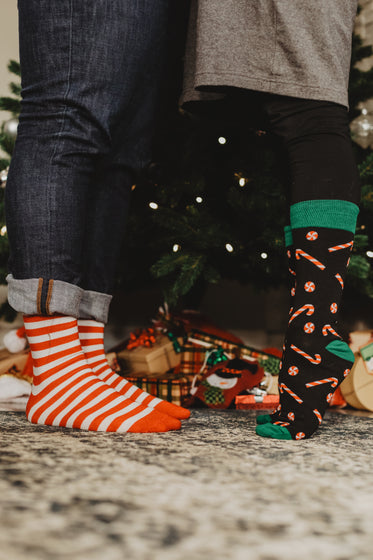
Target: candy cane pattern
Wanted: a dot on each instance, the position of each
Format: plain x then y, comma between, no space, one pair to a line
339,247
329,397
283,387
346,372
299,253
316,360
334,308
332,380
291,416
309,328
312,235
292,292
340,280
309,287
288,254
300,435
292,272
318,415
279,423
329,328
308,308
293,370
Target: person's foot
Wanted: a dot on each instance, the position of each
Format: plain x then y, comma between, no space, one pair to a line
315,359
67,393
91,335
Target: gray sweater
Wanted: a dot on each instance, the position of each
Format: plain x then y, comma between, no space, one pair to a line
300,48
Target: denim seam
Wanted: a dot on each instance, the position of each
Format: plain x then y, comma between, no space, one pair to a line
38,296
49,295
57,143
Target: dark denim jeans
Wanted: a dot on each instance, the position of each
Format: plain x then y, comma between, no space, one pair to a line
90,76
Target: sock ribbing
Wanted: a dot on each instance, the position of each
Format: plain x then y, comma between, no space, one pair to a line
333,214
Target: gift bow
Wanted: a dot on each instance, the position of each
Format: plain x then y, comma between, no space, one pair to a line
143,337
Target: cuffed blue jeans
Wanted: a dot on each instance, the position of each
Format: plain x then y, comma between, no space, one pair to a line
90,76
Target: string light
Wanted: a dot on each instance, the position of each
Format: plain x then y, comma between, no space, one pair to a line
264,255
3,231
199,199
222,140
153,205
242,182
229,248
176,248
369,254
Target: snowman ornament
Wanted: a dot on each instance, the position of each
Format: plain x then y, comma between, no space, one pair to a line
225,380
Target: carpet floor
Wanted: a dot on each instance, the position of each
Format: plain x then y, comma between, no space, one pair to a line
214,490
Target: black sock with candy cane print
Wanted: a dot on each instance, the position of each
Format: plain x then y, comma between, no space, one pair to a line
316,359
289,246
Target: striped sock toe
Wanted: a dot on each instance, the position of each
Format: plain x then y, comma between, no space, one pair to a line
65,391
91,335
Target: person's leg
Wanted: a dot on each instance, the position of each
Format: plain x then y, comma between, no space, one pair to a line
107,216
81,67
79,61
325,194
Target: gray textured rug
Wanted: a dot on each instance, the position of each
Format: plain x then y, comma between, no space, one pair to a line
212,491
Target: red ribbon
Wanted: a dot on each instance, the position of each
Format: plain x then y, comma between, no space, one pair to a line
142,337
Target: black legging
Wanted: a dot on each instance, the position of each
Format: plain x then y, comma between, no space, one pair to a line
317,139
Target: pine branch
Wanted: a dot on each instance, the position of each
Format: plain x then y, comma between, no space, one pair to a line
10,104
14,67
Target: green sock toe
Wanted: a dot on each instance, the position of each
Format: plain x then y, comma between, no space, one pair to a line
263,419
272,431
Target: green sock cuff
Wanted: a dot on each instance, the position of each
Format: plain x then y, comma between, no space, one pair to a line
341,349
333,214
288,234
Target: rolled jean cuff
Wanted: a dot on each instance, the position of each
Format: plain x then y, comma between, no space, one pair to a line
38,296
95,305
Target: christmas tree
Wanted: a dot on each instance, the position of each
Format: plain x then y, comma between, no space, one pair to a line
212,204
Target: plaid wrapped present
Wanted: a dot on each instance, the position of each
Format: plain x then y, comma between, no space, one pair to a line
192,359
171,386
203,342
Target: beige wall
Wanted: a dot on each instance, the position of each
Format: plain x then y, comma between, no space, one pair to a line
8,45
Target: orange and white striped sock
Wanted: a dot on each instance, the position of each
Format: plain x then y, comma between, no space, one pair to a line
91,335
66,392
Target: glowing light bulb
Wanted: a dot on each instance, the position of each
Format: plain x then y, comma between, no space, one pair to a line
222,140
369,254
264,255
176,248
153,205
199,199
242,182
3,231
229,248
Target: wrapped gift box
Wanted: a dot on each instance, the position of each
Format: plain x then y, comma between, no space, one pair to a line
203,342
192,359
171,387
257,402
158,358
